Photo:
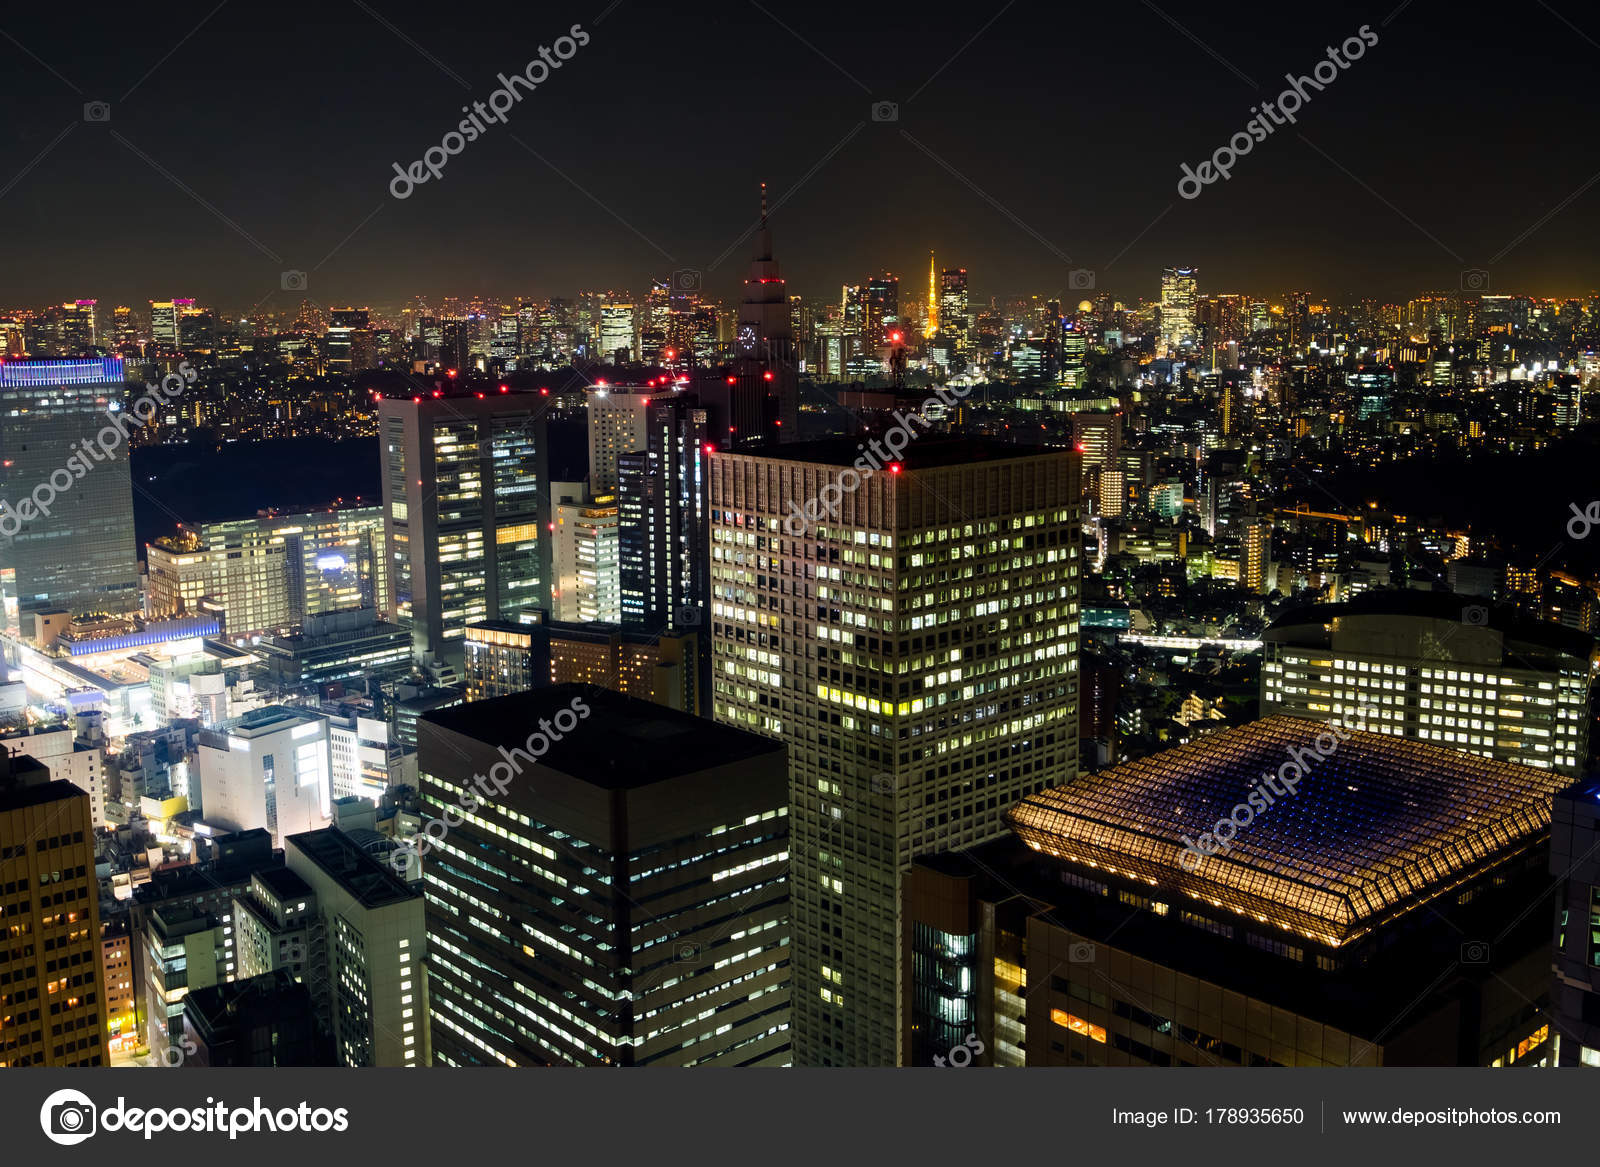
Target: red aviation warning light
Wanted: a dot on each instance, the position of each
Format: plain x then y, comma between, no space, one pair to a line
895,467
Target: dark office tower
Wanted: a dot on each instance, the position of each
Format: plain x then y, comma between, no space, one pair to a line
66,538
915,644
882,303
1575,862
52,1003
465,503
455,344
624,901
661,491
263,1021
764,398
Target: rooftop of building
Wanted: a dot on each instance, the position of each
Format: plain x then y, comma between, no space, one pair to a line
283,883
1313,625
622,743
31,789
216,1004
1370,985
1371,829
342,860
923,454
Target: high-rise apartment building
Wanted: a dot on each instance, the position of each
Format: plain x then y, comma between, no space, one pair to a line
465,496
916,647
624,901
1440,669
66,518
52,998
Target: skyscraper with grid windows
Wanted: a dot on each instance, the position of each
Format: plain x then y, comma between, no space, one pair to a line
915,643
466,506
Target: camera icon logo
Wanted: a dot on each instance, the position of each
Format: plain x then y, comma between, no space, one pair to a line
686,952
1475,614
686,279
1081,953
1080,279
1475,952
688,615
293,281
1474,279
96,111
885,111
68,1117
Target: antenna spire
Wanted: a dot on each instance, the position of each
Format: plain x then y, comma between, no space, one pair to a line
763,204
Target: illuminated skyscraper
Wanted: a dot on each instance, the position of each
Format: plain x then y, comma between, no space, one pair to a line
954,324
1179,287
617,340
584,577
466,502
917,650
53,999
661,496
78,334
66,517
618,425
166,323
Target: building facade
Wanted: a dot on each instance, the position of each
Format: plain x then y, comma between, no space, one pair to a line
70,545
624,901
1437,669
53,999
465,496
917,650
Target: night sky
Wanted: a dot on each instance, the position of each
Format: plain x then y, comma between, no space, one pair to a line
1448,141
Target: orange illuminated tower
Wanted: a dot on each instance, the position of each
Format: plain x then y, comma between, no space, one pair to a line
933,297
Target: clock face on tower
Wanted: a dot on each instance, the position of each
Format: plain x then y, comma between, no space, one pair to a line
747,338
